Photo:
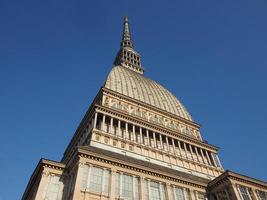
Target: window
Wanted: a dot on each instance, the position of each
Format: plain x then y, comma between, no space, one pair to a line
244,193
127,182
85,177
179,193
53,188
262,195
222,195
127,186
154,190
201,196
95,179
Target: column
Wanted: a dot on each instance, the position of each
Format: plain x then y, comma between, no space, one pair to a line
148,188
155,140
169,192
103,181
186,194
89,175
126,135
112,184
95,119
61,187
141,135
213,160
133,186
191,151
111,125
167,142
191,191
196,153
179,147
147,135
160,190
103,122
203,157
185,150
253,193
218,160
161,143
134,136
76,192
121,176
206,152
42,184
235,189
142,188
119,128
173,145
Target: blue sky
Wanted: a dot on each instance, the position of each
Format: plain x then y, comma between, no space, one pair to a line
55,55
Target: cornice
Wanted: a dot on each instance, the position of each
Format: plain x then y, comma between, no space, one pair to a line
157,150
38,172
83,152
229,175
148,106
246,179
157,127
53,164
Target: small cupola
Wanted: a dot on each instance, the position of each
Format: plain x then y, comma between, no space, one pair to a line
127,56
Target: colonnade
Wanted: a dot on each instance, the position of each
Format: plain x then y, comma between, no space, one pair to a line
156,140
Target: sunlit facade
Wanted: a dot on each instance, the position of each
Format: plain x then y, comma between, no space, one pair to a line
138,142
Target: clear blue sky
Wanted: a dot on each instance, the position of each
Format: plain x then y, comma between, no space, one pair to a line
55,55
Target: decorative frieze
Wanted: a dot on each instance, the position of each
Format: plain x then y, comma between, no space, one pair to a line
150,116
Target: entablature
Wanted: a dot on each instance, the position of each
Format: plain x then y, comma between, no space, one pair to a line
154,127
115,159
150,115
132,147
149,107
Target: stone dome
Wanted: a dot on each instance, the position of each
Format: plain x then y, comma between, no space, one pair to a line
135,85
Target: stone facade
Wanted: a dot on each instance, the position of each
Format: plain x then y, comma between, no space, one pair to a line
137,141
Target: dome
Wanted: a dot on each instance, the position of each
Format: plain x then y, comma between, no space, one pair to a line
135,85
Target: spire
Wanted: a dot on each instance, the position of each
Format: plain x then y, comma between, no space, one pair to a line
127,56
126,37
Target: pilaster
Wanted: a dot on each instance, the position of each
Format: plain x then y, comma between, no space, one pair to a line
42,184
77,187
112,184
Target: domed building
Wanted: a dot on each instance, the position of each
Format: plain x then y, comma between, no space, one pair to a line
138,142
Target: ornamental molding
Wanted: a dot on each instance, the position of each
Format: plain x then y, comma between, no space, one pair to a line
53,165
160,129
163,153
230,176
246,181
217,183
151,115
107,91
144,170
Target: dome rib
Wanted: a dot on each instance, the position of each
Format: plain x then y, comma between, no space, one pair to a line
138,87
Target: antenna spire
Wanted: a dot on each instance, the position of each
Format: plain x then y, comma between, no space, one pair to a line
126,37
127,56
